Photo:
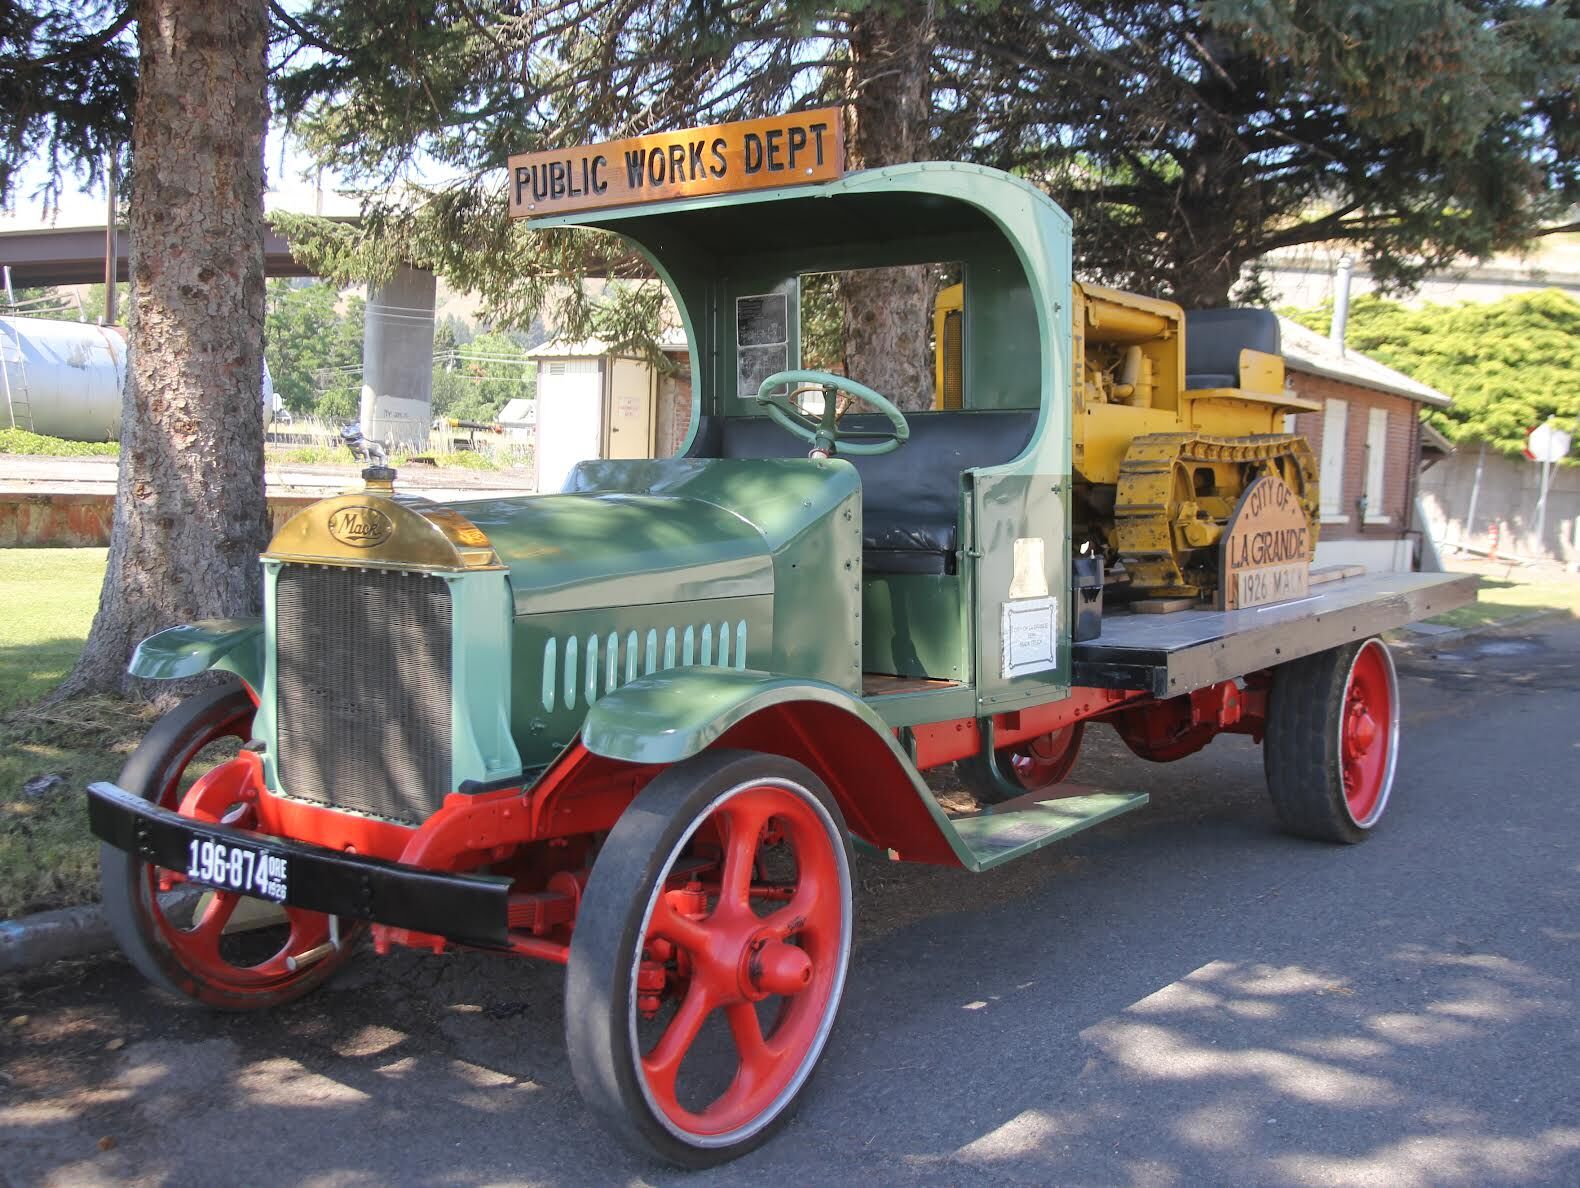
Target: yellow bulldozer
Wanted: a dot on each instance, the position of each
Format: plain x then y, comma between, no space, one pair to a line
1174,414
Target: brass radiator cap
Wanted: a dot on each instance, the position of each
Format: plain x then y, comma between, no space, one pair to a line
378,528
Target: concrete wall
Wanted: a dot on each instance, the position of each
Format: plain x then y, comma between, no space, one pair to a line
1314,284
1378,556
1507,500
74,521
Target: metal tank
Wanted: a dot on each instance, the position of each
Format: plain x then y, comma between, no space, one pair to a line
64,379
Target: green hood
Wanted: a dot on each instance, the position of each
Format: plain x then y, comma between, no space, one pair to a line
587,552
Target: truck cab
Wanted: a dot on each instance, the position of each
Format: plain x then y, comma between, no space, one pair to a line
948,573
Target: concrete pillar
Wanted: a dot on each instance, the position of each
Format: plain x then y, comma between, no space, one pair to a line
397,359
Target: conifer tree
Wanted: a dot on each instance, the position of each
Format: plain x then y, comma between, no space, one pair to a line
189,510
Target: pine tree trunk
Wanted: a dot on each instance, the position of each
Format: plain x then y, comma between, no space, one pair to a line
190,516
887,311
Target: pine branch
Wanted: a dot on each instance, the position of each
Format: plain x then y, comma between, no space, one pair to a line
312,39
77,50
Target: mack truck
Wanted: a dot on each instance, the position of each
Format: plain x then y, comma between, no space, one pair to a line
643,727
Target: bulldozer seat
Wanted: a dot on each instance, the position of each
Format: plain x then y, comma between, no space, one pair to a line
1214,339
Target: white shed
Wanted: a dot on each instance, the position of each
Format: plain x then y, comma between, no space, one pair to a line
592,403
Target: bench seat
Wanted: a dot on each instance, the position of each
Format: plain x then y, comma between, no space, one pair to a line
910,496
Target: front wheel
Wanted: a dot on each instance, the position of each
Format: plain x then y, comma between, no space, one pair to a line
212,947
709,956
1333,741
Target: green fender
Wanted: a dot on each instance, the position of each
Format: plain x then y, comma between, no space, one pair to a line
231,645
670,716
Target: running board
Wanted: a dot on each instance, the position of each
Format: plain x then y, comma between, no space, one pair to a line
1017,827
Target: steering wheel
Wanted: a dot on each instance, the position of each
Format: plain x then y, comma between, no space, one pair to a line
824,434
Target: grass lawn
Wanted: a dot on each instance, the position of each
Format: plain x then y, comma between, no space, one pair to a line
47,858
1520,592
49,596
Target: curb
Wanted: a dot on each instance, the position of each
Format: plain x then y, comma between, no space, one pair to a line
1431,639
53,936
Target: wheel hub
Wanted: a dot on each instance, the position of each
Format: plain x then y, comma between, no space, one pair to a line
1366,748
1362,728
769,966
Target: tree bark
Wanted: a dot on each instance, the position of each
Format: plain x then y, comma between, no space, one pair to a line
888,311
190,516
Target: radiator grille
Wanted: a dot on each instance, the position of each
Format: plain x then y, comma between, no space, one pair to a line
363,689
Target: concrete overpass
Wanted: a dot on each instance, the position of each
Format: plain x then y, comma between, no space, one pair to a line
397,344
47,256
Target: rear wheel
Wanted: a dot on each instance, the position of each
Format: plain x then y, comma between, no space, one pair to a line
218,948
709,956
1031,766
1333,741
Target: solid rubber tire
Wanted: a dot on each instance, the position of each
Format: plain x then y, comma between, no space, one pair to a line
974,775
171,744
604,942
1300,754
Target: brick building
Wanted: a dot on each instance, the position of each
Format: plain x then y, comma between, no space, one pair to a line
674,402
1368,440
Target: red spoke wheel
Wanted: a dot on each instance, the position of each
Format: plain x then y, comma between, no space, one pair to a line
1333,741
218,948
709,956
1031,766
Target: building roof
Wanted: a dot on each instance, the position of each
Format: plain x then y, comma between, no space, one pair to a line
1431,439
1306,350
670,338
520,411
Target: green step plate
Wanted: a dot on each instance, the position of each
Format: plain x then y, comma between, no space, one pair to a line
1017,827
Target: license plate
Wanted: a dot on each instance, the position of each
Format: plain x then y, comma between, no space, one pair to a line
237,866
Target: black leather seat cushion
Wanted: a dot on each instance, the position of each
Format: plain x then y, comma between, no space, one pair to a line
1214,339
911,496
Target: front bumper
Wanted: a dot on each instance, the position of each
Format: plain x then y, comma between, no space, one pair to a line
468,909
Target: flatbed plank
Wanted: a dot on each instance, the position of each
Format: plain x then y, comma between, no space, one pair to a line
1160,606
1167,655
1335,573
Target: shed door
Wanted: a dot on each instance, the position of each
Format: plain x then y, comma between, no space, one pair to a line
630,409
570,418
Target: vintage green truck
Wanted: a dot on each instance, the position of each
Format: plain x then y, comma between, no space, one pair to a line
641,727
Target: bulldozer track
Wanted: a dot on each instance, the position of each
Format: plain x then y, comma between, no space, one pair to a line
1147,508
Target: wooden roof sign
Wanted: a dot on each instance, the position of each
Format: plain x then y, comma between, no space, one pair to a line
1266,549
787,150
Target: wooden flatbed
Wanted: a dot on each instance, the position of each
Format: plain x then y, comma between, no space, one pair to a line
1167,655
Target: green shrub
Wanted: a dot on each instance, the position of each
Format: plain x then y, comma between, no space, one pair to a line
20,441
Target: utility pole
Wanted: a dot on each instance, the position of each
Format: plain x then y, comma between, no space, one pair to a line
1475,494
1341,303
1546,444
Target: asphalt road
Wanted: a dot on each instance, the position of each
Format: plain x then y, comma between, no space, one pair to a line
1181,996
